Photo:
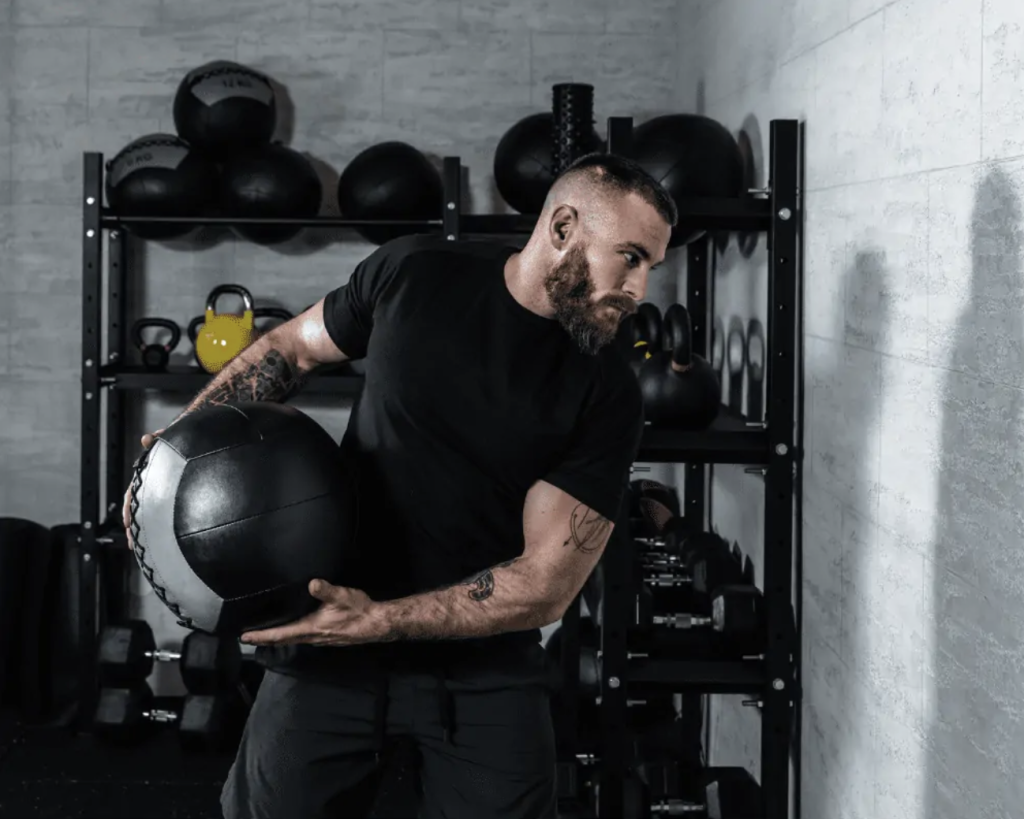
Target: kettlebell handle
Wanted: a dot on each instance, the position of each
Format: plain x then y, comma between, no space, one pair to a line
224,289
679,335
273,312
193,328
167,324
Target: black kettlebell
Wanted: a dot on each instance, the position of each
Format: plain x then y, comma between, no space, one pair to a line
272,313
155,357
680,389
193,334
640,335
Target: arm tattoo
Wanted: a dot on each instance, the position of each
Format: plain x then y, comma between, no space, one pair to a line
481,586
271,378
587,529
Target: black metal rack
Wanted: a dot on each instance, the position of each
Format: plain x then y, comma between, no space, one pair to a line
776,447
773,443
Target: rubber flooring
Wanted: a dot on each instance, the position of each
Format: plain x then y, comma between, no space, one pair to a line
51,773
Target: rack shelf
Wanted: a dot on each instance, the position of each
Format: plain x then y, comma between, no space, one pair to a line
706,677
772,443
749,214
192,380
731,439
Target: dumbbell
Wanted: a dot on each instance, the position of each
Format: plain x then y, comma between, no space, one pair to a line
126,715
736,612
678,537
127,653
653,490
703,569
651,506
704,564
730,793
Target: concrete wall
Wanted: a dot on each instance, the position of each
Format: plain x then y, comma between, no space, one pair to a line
913,601
449,76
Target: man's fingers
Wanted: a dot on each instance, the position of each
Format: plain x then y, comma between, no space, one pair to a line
267,637
150,438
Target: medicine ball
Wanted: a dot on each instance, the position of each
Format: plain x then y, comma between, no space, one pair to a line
273,182
691,156
234,509
160,175
222,107
392,180
524,162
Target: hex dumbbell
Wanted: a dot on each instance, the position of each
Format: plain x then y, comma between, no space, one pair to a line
703,569
127,654
736,611
126,715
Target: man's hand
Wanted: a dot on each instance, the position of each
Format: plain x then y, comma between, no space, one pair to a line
147,441
344,619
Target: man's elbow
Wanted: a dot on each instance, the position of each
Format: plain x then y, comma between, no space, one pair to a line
552,607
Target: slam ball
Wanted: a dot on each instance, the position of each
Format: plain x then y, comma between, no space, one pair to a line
391,180
160,175
222,107
274,182
525,162
234,509
691,156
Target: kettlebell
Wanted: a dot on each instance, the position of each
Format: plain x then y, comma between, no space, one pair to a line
680,389
155,356
271,313
640,334
219,337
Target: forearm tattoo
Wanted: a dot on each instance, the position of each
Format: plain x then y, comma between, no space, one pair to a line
271,378
587,530
481,586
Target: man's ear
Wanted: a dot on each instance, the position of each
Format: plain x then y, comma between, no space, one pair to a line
564,221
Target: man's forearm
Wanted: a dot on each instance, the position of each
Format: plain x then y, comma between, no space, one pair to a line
507,597
261,372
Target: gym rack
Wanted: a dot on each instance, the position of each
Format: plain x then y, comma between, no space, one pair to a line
775,448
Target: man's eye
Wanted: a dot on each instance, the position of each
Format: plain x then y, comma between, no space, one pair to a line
632,259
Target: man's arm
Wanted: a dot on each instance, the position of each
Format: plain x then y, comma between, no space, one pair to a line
564,541
274,367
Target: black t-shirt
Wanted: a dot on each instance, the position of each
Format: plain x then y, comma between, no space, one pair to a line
469,400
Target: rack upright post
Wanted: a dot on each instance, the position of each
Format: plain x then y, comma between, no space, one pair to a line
92,339
781,644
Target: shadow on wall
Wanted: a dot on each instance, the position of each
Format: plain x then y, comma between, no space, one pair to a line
844,385
975,735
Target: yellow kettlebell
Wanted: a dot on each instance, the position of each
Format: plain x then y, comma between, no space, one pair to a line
222,336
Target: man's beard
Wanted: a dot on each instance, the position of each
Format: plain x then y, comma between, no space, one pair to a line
570,289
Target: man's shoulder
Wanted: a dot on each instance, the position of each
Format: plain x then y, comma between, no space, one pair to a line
618,382
427,246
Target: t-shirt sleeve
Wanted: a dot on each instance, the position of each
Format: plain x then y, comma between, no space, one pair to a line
595,468
349,309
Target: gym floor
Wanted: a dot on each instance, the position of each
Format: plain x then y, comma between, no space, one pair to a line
50,773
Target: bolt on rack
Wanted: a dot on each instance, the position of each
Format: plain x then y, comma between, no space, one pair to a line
775,445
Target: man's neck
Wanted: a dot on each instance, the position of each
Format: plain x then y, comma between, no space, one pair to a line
525,285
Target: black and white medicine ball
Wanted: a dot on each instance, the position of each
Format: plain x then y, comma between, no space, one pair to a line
235,508
160,175
222,107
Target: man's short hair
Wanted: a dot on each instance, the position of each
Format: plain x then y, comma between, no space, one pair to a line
620,175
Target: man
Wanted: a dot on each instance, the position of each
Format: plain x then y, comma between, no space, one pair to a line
493,440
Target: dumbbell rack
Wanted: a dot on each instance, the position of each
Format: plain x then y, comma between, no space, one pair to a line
776,447
773,444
